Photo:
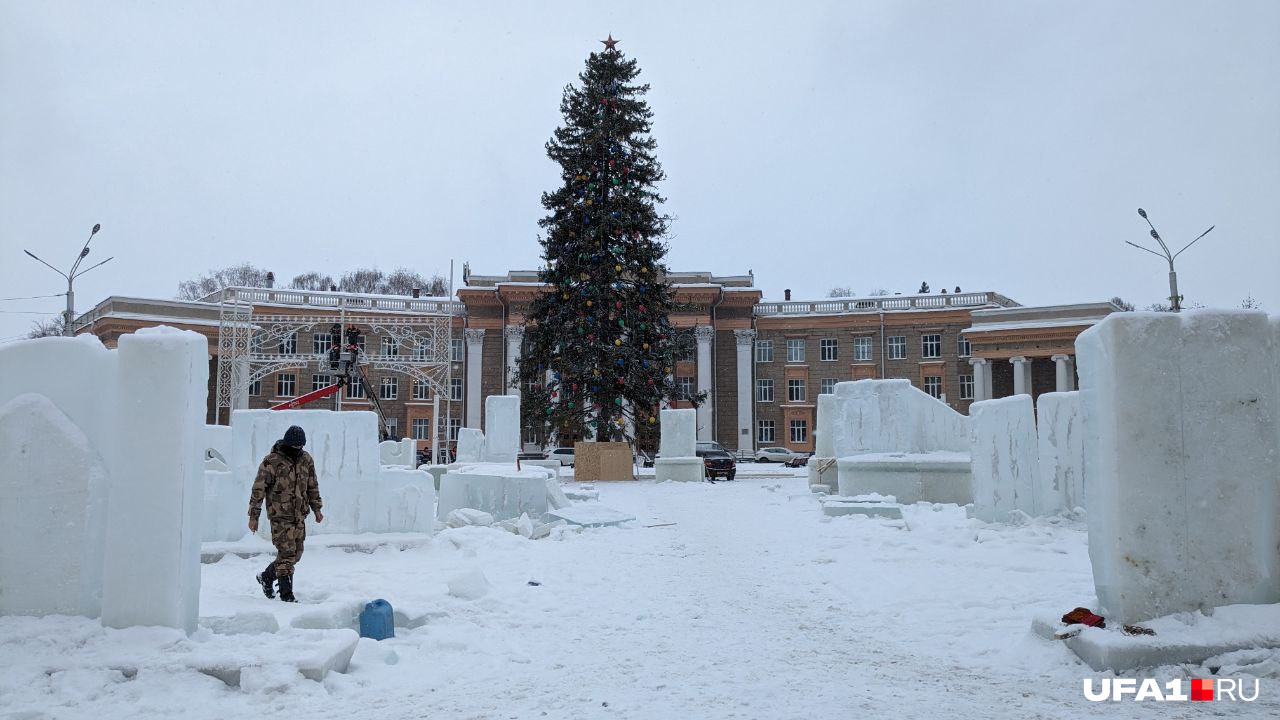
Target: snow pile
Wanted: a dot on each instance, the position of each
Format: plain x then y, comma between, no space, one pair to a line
1004,458
399,453
501,428
1061,439
126,477
677,447
1182,445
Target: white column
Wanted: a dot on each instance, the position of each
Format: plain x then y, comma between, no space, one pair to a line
1066,373
515,335
746,401
981,379
475,407
436,425
1021,375
704,334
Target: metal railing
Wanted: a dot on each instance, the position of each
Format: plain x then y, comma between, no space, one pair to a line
877,304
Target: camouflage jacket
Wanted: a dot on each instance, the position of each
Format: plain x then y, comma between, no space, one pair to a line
289,488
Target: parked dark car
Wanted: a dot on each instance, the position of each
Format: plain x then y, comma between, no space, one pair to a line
718,463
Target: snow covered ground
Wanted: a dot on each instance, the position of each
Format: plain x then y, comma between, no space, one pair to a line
739,602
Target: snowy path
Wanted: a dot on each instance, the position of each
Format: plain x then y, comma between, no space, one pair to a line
749,606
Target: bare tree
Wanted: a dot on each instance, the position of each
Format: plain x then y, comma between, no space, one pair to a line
840,292
1123,304
312,281
47,328
1249,303
242,275
363,280
878,292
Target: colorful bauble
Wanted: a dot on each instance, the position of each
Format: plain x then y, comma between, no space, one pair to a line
652,419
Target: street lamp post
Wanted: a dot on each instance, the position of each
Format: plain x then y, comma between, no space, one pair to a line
1175,300
69,315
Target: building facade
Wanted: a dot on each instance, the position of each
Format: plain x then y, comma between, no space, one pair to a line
761,365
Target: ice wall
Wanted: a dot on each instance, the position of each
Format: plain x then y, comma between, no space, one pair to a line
1182,454
1061,443
824,426
139,412
226,506
151,572
53,504
342,444
217,441
1003,458
398,453
892,416
501,428
679,433
470,446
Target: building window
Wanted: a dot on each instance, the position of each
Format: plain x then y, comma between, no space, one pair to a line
454,425
828,386
419,390
456,349
795,350
931,346
390,388
829,348
455,389
286,385
764,431
320,381
799,431
963,348
764,351
289,345
421,428
862,349
898,347
795,390
321,343
420,351
933,385
966,387
684,388
355,389
764,390
390,346
393,428
255,388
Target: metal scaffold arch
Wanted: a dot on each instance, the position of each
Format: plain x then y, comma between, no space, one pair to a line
256,326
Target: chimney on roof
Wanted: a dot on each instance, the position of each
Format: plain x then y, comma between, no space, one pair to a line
417,292
271,279
786,295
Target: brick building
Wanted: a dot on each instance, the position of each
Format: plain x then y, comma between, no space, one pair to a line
760,364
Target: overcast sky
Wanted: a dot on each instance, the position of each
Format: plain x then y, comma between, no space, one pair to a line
990,145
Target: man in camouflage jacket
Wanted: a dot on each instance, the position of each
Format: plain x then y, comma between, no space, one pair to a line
287,482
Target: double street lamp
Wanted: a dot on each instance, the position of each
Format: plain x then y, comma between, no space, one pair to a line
69,315
1175,300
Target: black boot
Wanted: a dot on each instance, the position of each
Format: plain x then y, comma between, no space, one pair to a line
267,579
286,588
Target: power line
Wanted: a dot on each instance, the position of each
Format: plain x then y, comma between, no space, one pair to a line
33,297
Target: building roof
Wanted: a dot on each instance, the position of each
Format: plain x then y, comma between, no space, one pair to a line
1043,316
885,303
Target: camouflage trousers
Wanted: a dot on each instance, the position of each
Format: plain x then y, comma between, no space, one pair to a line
288,539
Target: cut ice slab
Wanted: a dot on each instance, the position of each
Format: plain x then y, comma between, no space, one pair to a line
836,508
315,653
1183,638
589,515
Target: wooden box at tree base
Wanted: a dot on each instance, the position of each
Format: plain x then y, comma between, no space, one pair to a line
602,461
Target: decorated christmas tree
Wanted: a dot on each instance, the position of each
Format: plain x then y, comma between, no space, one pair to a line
599,351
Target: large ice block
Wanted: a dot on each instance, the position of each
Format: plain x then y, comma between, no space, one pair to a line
151,572
501,428
1061,439
399,453
1004,458
500,490
226,504
678,469
1182,454
937,477
342,444
217,442
893,416
679,433
824,430
471,444
53,504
